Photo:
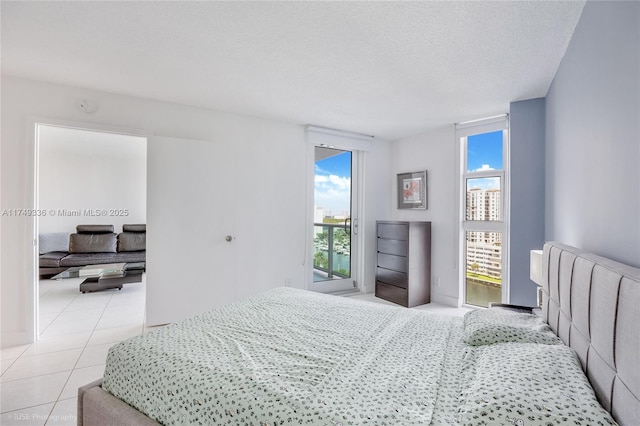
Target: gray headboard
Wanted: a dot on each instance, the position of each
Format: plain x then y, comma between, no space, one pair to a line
593,304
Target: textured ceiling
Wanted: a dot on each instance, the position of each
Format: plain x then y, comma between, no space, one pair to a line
389,69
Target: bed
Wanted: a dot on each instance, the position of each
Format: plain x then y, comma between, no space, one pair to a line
294,357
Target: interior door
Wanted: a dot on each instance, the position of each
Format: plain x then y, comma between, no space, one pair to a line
335,224
190,228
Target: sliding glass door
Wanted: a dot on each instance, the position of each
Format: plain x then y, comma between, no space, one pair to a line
334,221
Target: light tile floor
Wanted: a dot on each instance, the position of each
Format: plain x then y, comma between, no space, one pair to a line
39,382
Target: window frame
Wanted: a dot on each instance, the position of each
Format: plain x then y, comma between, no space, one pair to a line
462,133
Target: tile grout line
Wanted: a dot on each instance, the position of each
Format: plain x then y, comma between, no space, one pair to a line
25,408
38,375
25,349
41,332
12,362
15,359
60,313
37,405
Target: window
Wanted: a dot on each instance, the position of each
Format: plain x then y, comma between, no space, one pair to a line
484,214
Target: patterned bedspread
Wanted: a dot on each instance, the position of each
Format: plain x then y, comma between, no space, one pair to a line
294,357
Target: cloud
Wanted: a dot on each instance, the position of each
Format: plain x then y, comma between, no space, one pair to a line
483,168
340,182
332,192
321,171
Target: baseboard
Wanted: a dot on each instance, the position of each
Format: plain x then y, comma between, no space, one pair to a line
442,299
13,339
344,292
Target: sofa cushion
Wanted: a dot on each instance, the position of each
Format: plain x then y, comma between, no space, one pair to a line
134,228
94,229
132,241
131,256
93,243
82,259
53,241
51,259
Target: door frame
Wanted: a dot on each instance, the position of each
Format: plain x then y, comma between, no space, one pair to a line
358,145
33,148
338,285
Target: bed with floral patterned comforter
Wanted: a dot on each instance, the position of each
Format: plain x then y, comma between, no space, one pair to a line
294,357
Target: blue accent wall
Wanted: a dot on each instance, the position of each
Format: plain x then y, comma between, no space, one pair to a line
593,135
527,168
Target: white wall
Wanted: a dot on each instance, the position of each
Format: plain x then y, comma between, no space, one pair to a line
262,146
86,172
593,136
378,188
435,152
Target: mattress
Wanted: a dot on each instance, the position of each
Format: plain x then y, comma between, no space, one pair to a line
288,356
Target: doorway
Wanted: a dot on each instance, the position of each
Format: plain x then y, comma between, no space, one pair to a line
335,222
83,177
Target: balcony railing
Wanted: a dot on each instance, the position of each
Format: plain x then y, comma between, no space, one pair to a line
332,251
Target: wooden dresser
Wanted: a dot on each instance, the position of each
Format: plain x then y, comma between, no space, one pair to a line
403,273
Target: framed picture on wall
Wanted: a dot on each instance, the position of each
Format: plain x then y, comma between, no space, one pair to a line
412,190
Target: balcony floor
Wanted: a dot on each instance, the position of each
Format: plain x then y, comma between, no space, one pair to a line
322,276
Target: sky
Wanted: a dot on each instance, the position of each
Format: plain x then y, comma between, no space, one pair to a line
484,152
333,183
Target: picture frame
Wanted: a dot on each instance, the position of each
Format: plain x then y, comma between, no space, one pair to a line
412,190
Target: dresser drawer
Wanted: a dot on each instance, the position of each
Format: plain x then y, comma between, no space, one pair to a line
389,261
393,231
391,293
397,247
398,279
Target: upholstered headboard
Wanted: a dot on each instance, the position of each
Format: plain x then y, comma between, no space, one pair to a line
593,304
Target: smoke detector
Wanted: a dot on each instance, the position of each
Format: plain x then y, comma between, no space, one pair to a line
87,106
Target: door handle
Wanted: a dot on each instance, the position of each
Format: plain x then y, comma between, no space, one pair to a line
347,229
